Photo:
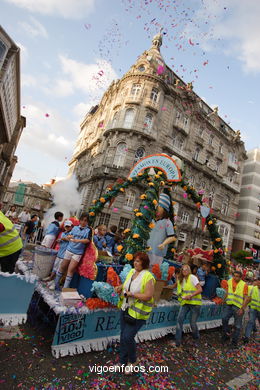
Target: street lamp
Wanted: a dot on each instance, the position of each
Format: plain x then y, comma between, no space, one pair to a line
196,230
105,172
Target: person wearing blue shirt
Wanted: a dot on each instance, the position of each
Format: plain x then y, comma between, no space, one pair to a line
99,238
163,232
64,242
110,238
52,231
79,237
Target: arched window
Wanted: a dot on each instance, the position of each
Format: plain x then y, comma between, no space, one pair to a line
174,138
130,199
115,119
211,197
211,137
148,122
140,153
136,89
225,205
129,118
197,153
154,95
180,143
119,158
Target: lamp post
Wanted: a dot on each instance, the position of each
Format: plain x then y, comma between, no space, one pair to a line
196,230
105,172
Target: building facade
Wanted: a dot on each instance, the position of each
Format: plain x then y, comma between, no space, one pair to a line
11,121
30,195
247,227
151,110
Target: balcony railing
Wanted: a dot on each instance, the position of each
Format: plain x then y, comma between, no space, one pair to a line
232,164
233,186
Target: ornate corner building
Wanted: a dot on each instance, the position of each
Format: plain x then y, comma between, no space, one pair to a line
11,121
151,110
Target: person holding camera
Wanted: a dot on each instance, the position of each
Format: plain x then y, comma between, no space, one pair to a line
136,304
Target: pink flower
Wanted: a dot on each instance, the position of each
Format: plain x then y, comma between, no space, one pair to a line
185,195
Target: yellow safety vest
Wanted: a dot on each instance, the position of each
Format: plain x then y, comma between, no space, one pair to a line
237,297
255,297
187,289
140,309
10,241
179,291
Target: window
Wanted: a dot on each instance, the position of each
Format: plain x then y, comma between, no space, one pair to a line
257,234
129,118
211,137
185,121
178,116
203,185
225,205
220,148
218,165
123,223
148,122
104,219
85,193
130,199
185,217
197,153
232,158
2,50
136,89
115,119
179,143
192,180
174,138
211,197
140,153
200,131
119,158
154,95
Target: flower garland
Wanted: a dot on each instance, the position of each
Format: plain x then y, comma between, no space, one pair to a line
106,292
112,277
125,271
163,272
97,303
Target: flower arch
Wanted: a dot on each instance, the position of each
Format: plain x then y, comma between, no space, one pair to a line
142,224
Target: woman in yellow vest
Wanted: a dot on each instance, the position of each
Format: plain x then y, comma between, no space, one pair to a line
189,292
136,304
254,308
236,301
10,244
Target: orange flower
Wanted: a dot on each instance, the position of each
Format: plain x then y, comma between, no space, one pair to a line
102,200
173,250
129,256
210,222
213,268
218,239
119,248
159,173
126,231
122,189
94,201
185,188
139,214
151,184
92,213
140,174
219,265
162,183
198,204
155,202
215,250
130,179
173,203
136,235
151,225
136,210
143,196
156,176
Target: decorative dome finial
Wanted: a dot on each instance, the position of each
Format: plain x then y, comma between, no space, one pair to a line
157,40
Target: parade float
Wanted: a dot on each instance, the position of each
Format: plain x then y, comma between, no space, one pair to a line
88,319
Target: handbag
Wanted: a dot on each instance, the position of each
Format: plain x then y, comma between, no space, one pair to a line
127,317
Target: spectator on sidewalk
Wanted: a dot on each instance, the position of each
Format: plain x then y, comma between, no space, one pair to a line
24,216
28,230
12,214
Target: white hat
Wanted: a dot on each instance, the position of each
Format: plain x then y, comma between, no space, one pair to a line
68,223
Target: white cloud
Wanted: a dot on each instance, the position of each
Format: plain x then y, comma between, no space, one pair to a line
69,9
27,80
61,88
23,52
24,174
34,28
238,25
82,109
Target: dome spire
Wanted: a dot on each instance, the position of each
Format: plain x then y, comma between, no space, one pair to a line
157,40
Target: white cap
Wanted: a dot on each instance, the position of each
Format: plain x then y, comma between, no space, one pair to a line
68,223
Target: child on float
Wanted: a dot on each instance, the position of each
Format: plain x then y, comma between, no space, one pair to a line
79,238
163,233
202,272
63,242
110,238
52,231
99,238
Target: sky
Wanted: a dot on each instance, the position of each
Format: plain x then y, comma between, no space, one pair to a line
71,50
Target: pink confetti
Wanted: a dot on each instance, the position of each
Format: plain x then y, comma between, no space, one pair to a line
201,192
146,207
164,108
115,209
191,43
185,195
47,115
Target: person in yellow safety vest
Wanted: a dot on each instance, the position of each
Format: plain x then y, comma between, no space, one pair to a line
254,308
236,301
136,304
189,291
10,244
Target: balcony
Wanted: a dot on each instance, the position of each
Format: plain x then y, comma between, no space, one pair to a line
184,128
133,99
233,186
232,165
149,103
